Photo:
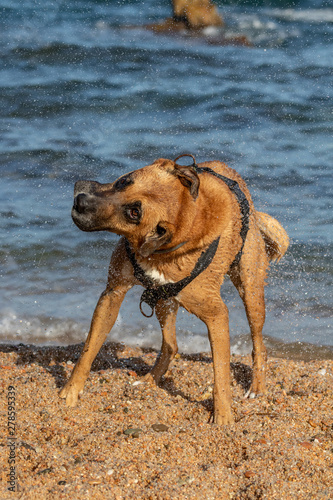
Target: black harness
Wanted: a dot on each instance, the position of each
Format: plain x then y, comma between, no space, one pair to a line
153,292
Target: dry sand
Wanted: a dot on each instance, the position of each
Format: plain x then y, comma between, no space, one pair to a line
280,447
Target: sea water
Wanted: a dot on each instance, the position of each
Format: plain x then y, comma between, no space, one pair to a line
83,96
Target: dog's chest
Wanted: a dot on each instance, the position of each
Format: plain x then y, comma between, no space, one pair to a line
156,275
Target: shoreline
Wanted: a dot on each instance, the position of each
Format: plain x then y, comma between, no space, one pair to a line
240,345
127,439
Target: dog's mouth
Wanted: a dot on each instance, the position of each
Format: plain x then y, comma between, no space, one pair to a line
83,214
85,204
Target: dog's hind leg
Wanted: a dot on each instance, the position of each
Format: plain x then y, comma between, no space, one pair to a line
104,317
248,278
166,313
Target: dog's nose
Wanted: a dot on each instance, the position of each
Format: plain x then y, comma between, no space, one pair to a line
81,203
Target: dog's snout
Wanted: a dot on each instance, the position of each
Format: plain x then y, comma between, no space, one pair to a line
88,187
84,196
81,203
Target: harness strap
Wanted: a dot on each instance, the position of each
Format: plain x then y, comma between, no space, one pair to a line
153,292
243,204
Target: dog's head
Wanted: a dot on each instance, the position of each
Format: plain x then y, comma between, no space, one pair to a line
146,206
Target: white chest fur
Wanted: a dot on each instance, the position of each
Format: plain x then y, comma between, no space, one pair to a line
156,275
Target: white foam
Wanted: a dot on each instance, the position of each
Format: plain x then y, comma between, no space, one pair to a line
261,30
308,15
14,327
211,31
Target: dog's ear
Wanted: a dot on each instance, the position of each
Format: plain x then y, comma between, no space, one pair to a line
161,235
189,178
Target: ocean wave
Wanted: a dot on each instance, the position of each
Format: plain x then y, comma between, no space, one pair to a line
44,331
16,328
305,16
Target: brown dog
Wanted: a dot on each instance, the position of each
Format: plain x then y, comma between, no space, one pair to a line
190,15
196,14
183,227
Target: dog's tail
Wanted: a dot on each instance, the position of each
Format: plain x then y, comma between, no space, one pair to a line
275,237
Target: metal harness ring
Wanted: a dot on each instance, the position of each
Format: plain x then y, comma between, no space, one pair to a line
142,311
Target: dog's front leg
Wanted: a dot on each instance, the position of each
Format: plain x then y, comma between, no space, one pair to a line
166,313
218,331
104,317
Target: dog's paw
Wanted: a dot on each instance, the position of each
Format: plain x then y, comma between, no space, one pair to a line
71,393
149,379
255,391
223,418
250,394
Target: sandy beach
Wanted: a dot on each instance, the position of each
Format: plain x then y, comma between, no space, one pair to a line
127,439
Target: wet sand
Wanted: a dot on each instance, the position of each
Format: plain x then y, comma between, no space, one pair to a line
130,440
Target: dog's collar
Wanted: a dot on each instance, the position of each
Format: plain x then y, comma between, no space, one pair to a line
172,249
154,293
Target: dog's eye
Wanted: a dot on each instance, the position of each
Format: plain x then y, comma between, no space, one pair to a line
134,213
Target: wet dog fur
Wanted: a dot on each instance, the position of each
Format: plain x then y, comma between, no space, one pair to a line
159,207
